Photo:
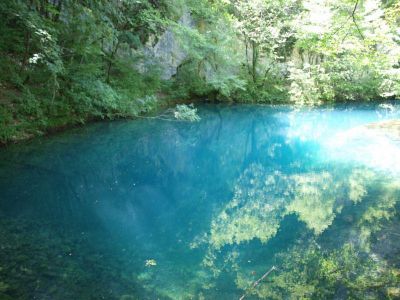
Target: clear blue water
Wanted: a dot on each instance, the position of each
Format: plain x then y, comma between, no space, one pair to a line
154,209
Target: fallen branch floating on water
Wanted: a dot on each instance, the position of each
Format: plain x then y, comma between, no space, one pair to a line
181,112
257,282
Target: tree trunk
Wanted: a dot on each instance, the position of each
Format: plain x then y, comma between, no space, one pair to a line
254,61
110,62
26,52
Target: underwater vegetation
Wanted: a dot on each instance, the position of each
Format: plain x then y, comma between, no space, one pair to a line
53,264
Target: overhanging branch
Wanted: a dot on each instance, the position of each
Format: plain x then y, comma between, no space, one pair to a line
353,16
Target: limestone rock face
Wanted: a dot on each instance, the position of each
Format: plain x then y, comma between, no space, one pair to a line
168,52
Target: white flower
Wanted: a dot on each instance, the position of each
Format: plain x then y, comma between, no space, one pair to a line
35,58
43,34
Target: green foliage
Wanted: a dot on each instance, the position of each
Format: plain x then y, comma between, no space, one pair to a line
213,55
7,131
69,62
310,85
350,53
186,113
305,52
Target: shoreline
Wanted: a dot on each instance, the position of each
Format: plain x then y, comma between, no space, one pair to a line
25,137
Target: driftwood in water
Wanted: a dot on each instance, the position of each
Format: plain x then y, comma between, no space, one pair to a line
257,282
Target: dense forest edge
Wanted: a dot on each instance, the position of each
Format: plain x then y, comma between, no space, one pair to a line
66,62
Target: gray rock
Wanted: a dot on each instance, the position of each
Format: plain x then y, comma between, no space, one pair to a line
168,52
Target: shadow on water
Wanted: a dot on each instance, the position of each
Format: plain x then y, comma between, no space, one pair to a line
151,209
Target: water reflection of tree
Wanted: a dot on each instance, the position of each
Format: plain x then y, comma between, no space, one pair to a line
312,267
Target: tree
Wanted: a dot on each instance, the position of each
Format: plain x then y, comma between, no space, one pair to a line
265,29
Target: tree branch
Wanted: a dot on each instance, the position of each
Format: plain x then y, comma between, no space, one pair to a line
353,16
257,282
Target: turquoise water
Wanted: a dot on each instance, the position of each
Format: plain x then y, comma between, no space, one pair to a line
155,209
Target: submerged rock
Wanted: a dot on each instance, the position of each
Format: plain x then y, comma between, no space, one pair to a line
387,129
390,128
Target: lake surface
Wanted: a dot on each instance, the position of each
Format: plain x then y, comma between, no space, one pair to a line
155,209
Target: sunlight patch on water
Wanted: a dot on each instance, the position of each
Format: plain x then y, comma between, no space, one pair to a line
364,146
350,136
